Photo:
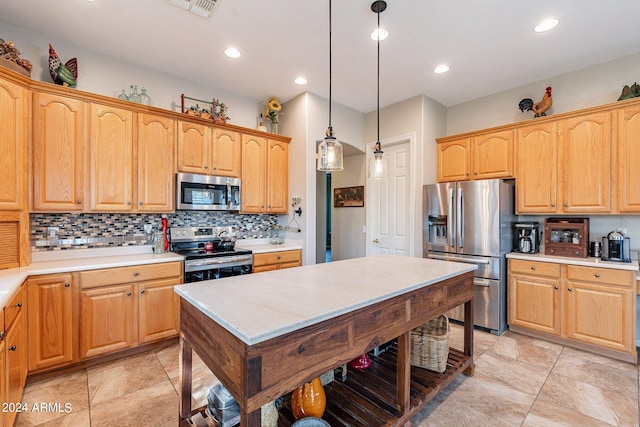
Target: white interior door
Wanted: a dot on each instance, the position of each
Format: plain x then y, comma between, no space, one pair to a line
389,228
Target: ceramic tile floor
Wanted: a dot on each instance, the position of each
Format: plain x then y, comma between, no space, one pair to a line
519,381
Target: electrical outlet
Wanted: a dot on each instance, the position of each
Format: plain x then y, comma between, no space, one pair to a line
52,232
148,228
364,229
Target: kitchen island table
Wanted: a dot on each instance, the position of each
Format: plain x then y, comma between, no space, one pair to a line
262,335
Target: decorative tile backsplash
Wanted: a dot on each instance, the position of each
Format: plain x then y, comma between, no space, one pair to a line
88,230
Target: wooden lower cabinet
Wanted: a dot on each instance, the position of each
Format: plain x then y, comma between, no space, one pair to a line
106,320
277,260
588,307
3,380
15,351
119,309
52,331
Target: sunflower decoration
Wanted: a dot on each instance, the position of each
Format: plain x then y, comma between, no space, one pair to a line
272,109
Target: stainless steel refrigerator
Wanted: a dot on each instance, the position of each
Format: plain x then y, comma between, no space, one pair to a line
472,222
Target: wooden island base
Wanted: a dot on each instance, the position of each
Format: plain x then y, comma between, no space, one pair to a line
388,393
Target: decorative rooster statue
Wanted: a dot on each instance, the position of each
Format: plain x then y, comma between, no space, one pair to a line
538,108
62,74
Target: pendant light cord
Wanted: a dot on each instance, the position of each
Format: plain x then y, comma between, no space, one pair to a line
378,100
330,128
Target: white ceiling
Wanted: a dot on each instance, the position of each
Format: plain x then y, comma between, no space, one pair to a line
489,44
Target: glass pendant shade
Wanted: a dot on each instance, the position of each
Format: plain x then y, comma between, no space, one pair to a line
378,165
330,155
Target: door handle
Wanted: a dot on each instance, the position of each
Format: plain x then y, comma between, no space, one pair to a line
376,241
450,217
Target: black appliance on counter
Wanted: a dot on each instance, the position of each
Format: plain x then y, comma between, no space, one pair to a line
207,255
616,247
526,237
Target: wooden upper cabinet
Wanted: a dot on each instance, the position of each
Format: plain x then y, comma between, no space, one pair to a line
628,160
155,163
111,158
254,180
194,148
454,160
226,153
58,153
277,172
14,132
492,155
536,168
585,159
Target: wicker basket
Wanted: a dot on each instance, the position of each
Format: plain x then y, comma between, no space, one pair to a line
430,344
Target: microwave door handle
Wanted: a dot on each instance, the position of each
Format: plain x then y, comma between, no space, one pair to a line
460,214
450,217
228,195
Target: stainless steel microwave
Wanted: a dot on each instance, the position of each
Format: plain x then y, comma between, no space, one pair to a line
207,193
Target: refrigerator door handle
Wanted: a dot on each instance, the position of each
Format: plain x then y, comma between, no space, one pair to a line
460,218
481,282
450,217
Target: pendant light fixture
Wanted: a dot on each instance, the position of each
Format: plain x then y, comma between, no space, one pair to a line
330,150
378,164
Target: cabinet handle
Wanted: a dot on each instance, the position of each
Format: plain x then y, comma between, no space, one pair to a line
12,348
1,334
553,205
566,205
556,288
128,294
206,167
66,285
129,203
570,289
19,305
269,207
140,203
475,173
136,274
533,267
142,291
597,275
300,349
215,168
278,257
78,202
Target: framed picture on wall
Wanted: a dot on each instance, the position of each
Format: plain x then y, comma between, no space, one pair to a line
348,197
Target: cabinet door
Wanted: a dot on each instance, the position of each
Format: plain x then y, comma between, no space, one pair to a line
600,315
158,309
50,321
536,170
16,355
628,160
13,146
585,159
3,382
194,148
493,155
254,182
534,303
454,160
107,320
226,153
277,177
58,153
111,164
156,171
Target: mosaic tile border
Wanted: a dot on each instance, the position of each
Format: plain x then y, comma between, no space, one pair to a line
87,230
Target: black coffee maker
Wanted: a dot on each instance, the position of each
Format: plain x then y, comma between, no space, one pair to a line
616,247
526,237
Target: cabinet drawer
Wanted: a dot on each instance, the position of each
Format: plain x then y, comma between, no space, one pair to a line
536,268
138,273
13,308
277,257
601,275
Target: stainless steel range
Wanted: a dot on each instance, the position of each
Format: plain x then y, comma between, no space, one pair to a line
209,253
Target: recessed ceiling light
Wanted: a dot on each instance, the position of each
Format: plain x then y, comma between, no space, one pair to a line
232,52
300,81
441,69
379,32
546,25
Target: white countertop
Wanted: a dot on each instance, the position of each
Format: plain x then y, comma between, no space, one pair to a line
258,307
587,262
260,246
50,262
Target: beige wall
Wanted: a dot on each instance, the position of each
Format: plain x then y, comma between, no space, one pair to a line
347,238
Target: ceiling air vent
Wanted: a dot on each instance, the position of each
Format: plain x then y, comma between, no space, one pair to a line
203,8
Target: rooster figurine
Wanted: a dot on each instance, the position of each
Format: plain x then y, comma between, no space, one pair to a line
62,74
538,108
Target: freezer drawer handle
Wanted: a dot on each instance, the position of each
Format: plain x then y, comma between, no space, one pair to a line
483,284
463,259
